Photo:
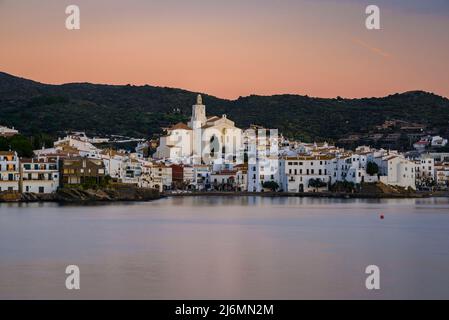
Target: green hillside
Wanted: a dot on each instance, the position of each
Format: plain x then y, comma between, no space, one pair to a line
141,111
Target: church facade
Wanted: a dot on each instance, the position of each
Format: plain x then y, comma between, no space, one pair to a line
203,140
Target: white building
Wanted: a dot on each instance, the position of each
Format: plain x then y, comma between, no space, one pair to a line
39,176
265,169
166,174
83,147
263,158
9,171
224,180
241,177
395,170
152,177
425,171
438,142
442,174
200,176
132,171
204,140
8,132
114,163
305,173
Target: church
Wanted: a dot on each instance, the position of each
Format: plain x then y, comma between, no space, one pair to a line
203,140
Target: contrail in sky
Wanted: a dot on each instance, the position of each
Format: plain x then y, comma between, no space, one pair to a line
371,48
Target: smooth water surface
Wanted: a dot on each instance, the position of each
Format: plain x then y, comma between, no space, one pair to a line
226,248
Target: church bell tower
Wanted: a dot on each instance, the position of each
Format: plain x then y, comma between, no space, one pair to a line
198,113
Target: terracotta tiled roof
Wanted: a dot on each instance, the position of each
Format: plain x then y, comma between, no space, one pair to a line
181,126
7,153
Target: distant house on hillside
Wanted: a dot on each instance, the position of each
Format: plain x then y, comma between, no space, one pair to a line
8,132
438,141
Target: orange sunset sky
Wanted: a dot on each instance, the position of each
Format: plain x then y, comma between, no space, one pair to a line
232,48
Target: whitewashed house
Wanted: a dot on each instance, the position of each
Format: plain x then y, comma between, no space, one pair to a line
425,170
395,170
8,132
305,173
39,176
151,177
263,158
438,142
442,174
201,177
84,148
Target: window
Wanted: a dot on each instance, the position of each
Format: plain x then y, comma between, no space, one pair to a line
41,189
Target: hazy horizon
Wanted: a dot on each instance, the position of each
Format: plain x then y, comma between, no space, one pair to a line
232,48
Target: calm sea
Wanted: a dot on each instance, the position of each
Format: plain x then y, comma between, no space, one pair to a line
226,248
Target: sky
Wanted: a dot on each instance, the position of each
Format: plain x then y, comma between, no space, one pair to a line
232,48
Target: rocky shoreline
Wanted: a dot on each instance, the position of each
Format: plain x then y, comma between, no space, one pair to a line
73,195
337,195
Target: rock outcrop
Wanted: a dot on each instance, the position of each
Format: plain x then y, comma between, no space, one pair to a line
122,193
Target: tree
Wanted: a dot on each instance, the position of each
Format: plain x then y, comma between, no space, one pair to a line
372,168
17,143
272,185
317,183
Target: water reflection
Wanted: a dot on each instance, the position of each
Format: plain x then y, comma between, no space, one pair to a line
226,247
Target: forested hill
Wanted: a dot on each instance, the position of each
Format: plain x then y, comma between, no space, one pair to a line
140,111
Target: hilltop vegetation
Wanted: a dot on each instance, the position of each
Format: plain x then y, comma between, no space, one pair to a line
141,111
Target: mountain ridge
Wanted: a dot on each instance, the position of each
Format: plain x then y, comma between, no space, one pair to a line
416,91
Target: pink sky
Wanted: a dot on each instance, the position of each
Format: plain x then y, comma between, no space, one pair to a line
229,48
